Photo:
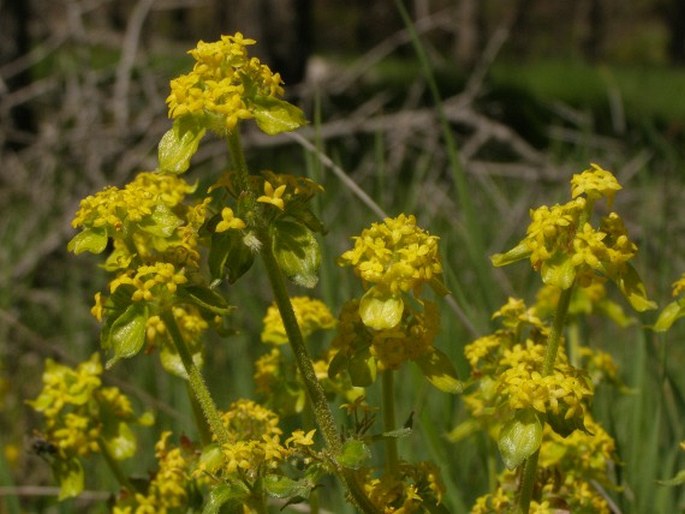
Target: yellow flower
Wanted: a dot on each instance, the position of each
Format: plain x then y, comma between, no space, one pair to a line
679,286
396,255
223,82
298,437
595,183
312,315
273,196
229,221
157,282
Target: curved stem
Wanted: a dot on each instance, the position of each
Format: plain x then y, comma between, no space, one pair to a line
531,465
196,380
388,385
317,397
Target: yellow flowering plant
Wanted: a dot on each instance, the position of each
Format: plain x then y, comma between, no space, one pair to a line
173,246
170,246
526,383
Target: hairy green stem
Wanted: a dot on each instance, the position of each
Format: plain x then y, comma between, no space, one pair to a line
388,402
531,465
235,150
203,429
317,397
196,380
114,465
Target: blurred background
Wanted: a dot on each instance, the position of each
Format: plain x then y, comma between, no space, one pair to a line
533,91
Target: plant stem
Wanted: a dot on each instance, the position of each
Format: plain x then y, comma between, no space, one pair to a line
203,429
114,466
531,465
317,397
235,149
196,380
391,457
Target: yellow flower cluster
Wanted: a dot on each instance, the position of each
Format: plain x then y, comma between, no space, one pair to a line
146,220
395,255
409,340
168,488
415,488
595,183
247,420
254,448
79,413
568,467
117,209
565,247
312,315
393,347
509,363
192,326
223,82
563,392
156,282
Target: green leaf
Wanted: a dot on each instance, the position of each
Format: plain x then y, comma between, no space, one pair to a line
633,289
392,434
179,144
379,310
123,444
679,479
228,255
362,368
207,299
127,334
440,372
274,116
339,362
519,252
280,486
69,475
671,313
558,271
354,454
93,240
520,438
162,223
225,494
211,458
297,252
172,362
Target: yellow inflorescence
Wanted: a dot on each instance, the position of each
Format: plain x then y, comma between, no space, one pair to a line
155,282
409,340
395,255
168,488
72,402
312,315
410,490
222,82
115,208
595,183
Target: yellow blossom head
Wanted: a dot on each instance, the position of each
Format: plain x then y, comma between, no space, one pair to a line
595,183
226,85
